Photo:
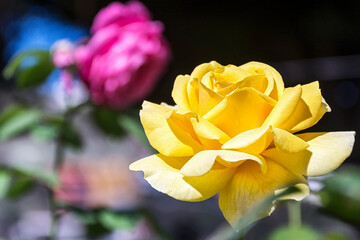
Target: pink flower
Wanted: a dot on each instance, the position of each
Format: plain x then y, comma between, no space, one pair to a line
125,56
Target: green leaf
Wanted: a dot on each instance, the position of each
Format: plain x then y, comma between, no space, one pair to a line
112,220
62,128
45,132
340,196
132,125
336,236
29,68
70,136
294,233
5,179
17,121
20,185
39,174
106,120
9,112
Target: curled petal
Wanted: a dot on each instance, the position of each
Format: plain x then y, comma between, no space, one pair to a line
275,85
179,92
202,69
208,99
329,150
285,107
325,153
309,109
209,135
288,142
242,110
162,173
249,186
204,161
252,141
164,133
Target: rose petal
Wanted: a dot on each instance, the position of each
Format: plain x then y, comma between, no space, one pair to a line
275,86
179,92
209,135
202,69
329,151
288,142
204,161
285,107
249,186
325,153
162,174
309,109
252,141
162,136
242,110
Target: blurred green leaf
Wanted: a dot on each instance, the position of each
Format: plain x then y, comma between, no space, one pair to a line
5,180
39,174
20,185
29,68
112,220
294,233
16,120
106,120
132,125
9,112
58,127
44,132
341,195
335,236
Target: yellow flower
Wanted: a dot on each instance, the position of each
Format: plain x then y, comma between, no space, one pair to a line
232,132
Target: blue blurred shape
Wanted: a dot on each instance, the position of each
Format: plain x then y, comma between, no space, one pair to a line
39,29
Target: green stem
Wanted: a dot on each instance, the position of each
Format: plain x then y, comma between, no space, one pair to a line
294,211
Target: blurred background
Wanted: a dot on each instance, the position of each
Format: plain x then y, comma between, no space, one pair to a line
304,41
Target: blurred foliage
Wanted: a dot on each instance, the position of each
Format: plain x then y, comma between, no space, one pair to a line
295,233
106,120
16,119
341,195
29,68
102,221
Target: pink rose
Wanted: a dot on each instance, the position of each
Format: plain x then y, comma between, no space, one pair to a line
125,56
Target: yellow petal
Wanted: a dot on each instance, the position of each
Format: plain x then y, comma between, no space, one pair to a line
275,85
202,69
252,141
325,153
162,173
208,99
209,135
203,162
242,110
179,92
193,94
285,107
154,119
307,111
249,186
288,142
296,163
231,74
329,151
258,82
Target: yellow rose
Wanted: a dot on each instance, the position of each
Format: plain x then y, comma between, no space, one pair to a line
232,133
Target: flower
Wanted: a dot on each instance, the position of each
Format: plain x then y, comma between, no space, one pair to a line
125,56
233,133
